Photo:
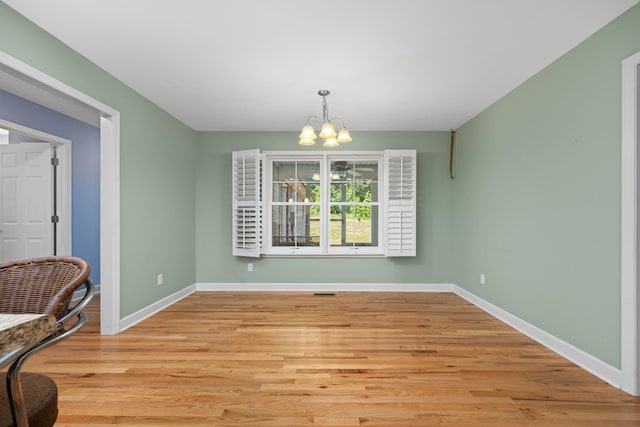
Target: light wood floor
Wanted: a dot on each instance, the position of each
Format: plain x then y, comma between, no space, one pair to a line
294,359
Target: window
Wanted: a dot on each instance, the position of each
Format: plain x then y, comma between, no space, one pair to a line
354,187
353,203
294,204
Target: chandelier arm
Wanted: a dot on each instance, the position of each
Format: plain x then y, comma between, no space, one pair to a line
341,121
313,117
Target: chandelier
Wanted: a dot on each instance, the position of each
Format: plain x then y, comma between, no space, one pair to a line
327,131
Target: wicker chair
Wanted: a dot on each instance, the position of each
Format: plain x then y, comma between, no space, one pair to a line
43,286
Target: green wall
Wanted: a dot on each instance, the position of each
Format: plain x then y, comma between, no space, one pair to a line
213,224
157,174
536,200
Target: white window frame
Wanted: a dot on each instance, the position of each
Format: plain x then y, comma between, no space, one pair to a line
397,183
377,156
268,158
325,159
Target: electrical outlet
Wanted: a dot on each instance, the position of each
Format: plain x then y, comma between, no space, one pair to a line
482,279
160,279
249,267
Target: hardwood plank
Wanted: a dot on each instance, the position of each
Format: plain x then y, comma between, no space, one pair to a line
294,359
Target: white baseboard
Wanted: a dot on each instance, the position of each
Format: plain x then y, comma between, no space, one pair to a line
586,361
581,358
152,309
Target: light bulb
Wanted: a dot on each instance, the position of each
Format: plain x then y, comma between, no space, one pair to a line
306,141
308,133
343,136
327,131
331,142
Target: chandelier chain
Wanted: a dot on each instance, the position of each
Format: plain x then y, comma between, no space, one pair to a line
325,109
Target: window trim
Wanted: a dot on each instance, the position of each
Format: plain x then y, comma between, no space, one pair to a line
324,249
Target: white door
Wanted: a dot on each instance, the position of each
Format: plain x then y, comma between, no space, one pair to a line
26,230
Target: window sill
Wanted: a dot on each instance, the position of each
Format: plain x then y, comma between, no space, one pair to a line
309,255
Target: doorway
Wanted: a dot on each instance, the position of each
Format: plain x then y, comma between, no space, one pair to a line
35,193
630,236
109,120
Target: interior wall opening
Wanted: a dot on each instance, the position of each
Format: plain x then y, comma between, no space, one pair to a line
26,81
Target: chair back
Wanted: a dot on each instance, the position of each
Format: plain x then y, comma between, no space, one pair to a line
41,285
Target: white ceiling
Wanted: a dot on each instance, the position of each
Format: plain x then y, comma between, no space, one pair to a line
256,65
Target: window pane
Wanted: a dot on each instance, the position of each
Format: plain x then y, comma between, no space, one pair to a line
295,182
354,181
295,225
354,225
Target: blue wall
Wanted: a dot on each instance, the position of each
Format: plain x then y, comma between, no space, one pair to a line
85,181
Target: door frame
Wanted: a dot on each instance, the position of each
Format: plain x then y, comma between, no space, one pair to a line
630,356
109,185
63,243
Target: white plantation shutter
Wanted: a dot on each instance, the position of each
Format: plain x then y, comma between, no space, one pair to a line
400,177
246,203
